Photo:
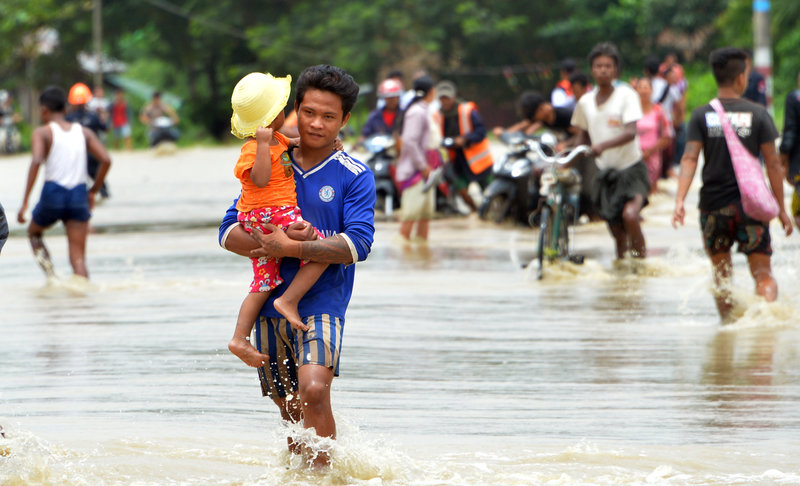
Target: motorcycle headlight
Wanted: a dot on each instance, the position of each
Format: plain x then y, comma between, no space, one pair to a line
520,167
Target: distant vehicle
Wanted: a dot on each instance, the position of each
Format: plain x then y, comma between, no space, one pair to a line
514,190
163,130
380,161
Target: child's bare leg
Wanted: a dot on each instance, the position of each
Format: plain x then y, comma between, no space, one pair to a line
240,343
287,303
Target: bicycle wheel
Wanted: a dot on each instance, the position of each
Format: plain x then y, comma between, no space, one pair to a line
544,239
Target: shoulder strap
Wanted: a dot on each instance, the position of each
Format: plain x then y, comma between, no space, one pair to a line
727,129
664,94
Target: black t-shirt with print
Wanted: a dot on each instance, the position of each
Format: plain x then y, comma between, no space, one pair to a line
754,126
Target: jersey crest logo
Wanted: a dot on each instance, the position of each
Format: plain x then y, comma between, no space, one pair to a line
326,194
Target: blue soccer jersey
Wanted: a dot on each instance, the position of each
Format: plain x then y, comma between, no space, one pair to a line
337,196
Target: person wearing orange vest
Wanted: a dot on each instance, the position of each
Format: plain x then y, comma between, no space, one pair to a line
562,95
470,156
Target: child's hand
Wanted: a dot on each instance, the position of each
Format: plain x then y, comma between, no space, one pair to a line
264,135
337,145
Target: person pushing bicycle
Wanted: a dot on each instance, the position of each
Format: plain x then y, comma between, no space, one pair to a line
607,119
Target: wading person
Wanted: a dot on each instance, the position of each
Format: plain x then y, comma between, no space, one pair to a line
337,193
722,218
607,119
413,165
60,146
790,147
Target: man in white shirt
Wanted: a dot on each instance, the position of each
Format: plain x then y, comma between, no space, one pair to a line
607,119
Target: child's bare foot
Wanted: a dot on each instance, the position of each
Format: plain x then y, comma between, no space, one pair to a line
289,311
246,352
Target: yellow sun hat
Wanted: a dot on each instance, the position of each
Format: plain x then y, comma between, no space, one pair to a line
257,100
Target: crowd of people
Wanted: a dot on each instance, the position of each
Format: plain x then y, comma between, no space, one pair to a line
638,136
291,322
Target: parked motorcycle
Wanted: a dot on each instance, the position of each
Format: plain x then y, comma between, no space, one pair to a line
514,190
381,157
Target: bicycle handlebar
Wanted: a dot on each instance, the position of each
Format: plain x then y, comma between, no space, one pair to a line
565,157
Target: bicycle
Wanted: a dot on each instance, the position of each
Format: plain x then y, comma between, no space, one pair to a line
558,208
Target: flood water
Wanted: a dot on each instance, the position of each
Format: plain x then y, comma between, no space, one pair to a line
458,367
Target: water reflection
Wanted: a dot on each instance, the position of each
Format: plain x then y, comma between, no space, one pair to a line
738,374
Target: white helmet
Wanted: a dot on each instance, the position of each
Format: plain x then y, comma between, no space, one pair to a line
390,88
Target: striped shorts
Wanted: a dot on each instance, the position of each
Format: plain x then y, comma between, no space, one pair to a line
289,348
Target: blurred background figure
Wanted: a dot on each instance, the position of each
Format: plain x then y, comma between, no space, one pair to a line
790,147
79,97
415,164
161,121
121,115
3,231
562,95
99,104
654,130
382,121
580,85
756,90
10,138
468,150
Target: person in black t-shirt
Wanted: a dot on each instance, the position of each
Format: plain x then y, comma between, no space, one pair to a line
722,219
790,147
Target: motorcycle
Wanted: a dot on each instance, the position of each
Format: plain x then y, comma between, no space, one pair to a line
381,158
514,190
163,130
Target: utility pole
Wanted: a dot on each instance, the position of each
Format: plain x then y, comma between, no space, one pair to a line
762,52
97,37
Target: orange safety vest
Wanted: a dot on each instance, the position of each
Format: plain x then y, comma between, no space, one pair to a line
479,157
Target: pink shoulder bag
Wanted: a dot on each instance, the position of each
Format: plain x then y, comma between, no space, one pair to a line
758,201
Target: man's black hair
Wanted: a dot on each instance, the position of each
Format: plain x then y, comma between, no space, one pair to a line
651,66
579,78
54,99
605,49
325,77
727,63
529,102
422,86
395,74
568,65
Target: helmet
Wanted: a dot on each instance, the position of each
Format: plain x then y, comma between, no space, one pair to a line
390,88
79,94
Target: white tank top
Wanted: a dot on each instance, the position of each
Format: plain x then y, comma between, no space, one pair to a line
66,162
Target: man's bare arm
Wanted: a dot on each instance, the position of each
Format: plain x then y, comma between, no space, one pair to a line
626,136
332,250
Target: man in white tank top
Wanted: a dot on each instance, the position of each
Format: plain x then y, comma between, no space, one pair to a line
61,147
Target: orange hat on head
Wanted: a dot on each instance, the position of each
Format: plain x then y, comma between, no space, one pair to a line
79,94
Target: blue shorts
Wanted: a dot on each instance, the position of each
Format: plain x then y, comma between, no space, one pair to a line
289,348
59,203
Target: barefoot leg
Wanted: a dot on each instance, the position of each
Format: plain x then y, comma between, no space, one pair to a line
287,303
240,343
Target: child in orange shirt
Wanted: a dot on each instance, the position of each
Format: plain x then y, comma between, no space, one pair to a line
268,196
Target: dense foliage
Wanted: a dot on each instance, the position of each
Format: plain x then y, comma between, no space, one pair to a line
198,49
